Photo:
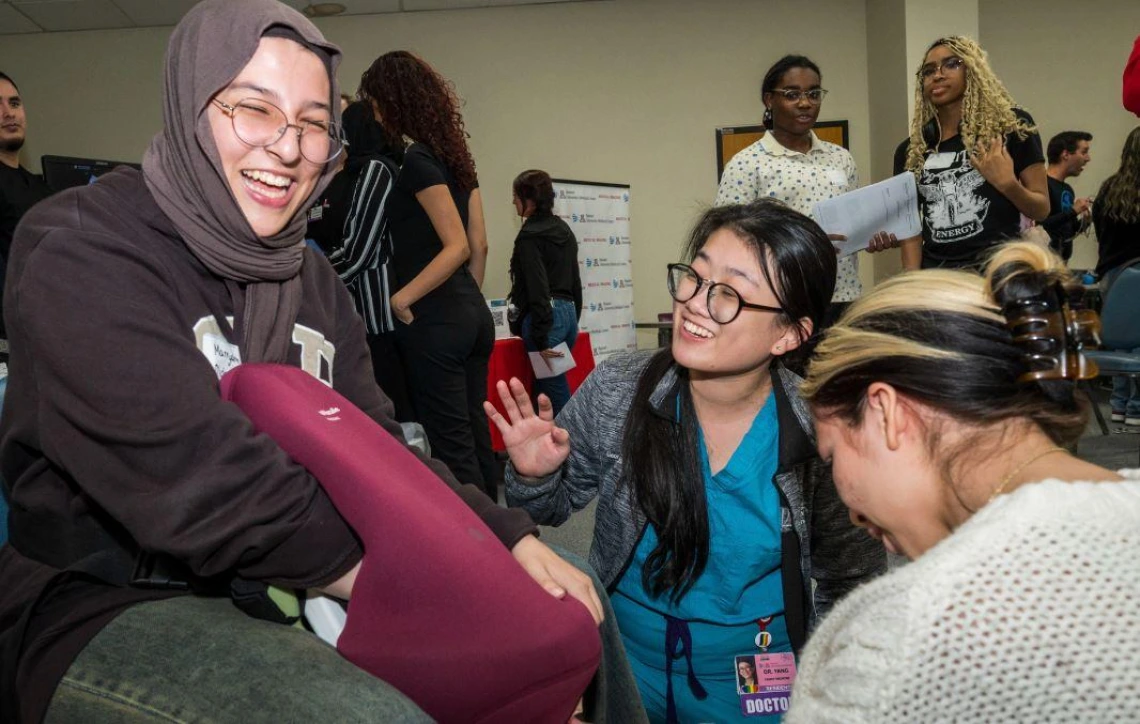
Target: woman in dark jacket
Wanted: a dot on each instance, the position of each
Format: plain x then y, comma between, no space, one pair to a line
546,288
130,478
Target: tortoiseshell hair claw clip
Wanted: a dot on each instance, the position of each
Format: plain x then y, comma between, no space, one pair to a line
1052,335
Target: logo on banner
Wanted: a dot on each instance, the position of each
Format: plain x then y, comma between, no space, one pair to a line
625,197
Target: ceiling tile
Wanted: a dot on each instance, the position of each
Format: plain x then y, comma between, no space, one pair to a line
415,5
11,21
151,13
364,7
59,15
354,7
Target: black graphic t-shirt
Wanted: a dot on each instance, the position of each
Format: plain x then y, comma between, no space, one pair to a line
962,214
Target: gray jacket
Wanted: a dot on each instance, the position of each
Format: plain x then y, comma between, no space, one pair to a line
819,541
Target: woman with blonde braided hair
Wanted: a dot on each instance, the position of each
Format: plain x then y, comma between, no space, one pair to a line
976,155
944,403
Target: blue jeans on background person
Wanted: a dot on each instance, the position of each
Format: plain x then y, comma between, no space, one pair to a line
564,329
1125,399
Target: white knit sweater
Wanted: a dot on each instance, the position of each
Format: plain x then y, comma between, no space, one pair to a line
1030,612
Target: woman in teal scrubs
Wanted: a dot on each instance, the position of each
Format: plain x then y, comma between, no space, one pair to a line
714,511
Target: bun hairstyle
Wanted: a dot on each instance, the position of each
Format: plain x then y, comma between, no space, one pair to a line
944,339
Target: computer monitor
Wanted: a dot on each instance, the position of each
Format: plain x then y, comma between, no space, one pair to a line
63,172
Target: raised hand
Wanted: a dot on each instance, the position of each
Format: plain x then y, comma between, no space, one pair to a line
536,446
994,163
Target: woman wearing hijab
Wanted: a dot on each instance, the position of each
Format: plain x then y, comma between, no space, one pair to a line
352,231
136,491
364,142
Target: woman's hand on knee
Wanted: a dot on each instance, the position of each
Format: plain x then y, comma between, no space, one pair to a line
536,445
558,577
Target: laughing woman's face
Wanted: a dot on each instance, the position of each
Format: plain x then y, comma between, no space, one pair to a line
270,183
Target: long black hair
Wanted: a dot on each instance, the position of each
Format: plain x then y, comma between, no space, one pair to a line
661,454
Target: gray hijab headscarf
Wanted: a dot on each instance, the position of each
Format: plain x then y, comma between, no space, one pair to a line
183,171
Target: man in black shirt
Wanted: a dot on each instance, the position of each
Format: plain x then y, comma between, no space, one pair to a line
19,189
1068,154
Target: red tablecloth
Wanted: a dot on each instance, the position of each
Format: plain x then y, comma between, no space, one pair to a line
510,360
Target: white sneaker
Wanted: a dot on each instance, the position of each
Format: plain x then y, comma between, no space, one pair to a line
1132,421
1118,417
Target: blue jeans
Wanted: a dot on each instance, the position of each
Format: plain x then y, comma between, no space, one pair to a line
1124,396
191,659
564,329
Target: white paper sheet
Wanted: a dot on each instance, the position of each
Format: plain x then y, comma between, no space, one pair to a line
890,205
544,368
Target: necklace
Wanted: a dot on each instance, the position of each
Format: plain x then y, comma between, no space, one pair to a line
1005,481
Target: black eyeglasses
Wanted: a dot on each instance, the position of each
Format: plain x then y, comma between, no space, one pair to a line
723,302
260,124
948,64
793,95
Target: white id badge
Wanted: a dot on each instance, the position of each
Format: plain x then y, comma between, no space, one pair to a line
837,176
939,161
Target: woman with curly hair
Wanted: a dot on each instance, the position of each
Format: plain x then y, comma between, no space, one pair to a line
977,158
435,216
1116,217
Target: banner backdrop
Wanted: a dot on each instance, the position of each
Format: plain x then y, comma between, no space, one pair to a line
599,216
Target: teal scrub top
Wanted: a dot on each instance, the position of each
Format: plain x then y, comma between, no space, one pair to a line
740,584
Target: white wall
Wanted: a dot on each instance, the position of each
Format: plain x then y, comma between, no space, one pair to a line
888,88
626,91
1063,61
630,90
